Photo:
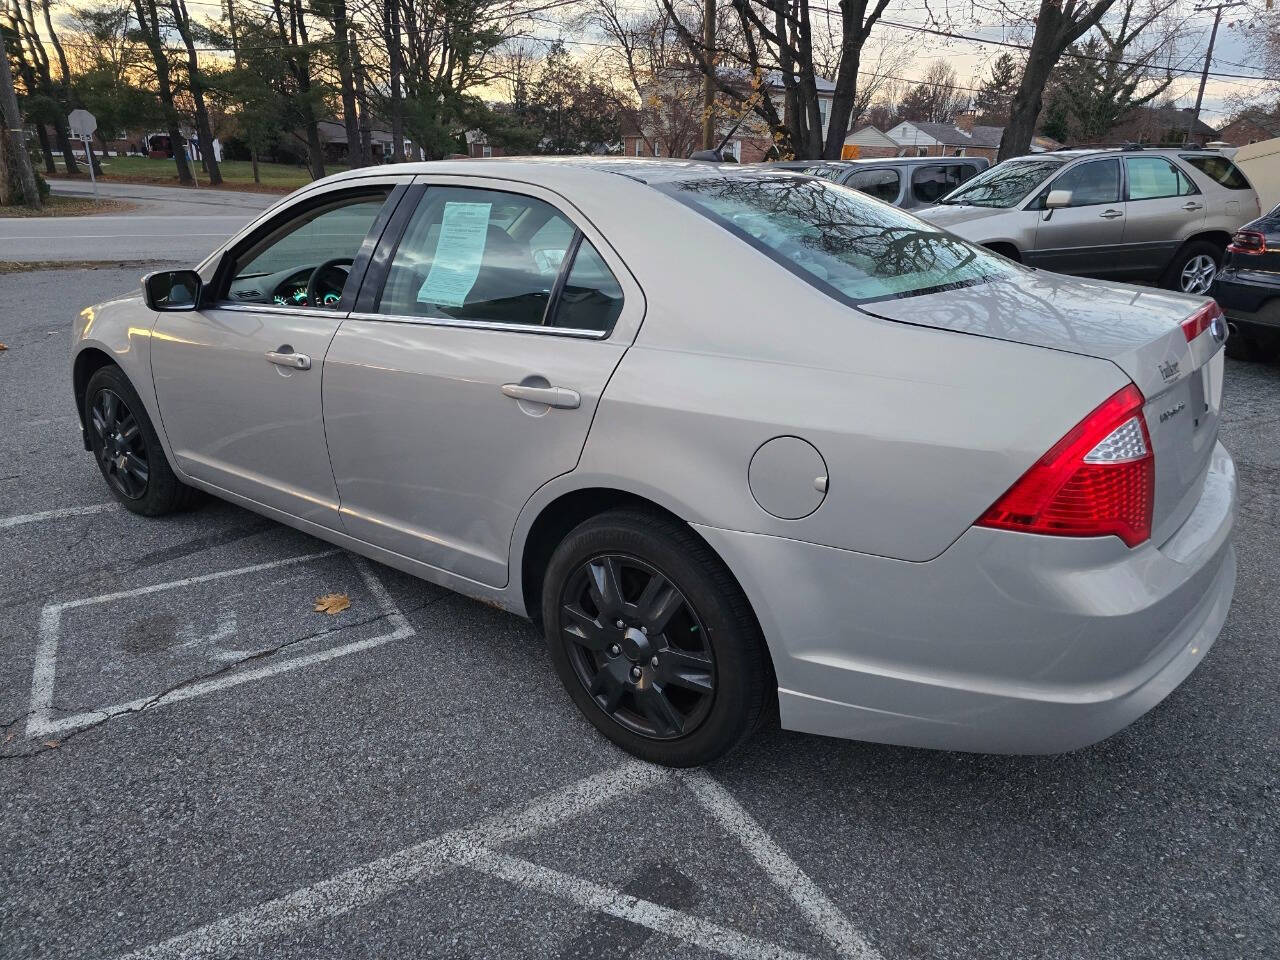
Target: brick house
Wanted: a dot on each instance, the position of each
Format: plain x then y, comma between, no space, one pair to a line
1251,126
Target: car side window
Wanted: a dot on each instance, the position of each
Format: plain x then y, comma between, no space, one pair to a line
930,183
882,184
1097,181
471,254
278,266
591,298
1151,178
496,257
1219,169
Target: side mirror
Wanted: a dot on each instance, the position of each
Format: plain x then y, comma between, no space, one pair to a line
1057,199
172,290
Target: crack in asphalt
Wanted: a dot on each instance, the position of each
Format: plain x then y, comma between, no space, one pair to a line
56,744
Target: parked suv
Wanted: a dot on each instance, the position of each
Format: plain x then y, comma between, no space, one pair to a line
907,182
1159,215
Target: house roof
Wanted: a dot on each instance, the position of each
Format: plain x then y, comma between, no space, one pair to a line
1266,122
334,131
952,136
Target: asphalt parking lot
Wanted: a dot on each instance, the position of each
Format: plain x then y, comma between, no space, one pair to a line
196,763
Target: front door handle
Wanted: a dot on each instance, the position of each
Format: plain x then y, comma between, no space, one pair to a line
1110,214
1191,205
561,397
294,361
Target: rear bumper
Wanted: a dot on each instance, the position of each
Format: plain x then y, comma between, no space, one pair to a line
1252,299
1007,643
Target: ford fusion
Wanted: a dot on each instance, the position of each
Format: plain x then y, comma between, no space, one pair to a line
729,438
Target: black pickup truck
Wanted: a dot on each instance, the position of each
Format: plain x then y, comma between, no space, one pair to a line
1248,289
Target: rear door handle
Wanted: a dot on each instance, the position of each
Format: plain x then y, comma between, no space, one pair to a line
1110,214
294,361
561,397
1191,205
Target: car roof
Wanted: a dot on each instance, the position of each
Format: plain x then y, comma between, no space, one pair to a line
1082,152
562,171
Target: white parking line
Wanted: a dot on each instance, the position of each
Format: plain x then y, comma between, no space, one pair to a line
53,514
472,848
591,896
366,884
784,871
44,674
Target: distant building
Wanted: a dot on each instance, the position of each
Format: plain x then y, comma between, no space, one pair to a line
1159,126
1251,126
868,142
333,136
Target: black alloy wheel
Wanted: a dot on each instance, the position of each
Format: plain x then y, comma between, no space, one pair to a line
119,445
638,646
127,448
653,638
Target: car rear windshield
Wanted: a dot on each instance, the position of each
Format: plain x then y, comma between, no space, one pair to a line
1003,185
845,244
1221,170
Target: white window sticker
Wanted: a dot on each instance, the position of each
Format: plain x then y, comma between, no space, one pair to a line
458,254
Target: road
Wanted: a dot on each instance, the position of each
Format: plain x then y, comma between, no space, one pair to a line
197,760
171,224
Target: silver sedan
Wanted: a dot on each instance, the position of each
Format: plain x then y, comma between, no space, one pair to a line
730,438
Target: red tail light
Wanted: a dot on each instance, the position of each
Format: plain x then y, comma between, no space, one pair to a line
1097,480
1202,320
1248,241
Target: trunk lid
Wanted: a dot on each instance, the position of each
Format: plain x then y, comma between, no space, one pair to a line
1136,328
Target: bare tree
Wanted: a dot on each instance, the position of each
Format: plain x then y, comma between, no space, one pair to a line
195,84
1059,24
152,30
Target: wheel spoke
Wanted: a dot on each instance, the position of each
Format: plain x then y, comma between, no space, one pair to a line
658,710
686,669
129,429
109,407
583,629
658,604
136,467
608,685
606,585
99,424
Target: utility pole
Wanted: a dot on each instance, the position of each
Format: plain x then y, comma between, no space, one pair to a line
708,77
13,121
1208,56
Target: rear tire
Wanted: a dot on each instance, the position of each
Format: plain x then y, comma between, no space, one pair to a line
681,687
1249,346
1193,268
127,448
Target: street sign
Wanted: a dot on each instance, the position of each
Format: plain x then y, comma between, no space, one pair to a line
82,123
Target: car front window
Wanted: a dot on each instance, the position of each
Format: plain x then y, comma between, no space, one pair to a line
1004,185
838,240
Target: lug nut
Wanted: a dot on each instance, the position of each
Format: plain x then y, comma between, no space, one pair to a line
621,624
614,650
635,673
645,631
653,662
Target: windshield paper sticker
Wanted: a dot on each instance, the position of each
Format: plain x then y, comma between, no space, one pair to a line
458,254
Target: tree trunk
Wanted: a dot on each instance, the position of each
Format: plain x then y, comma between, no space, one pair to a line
366,135
394,68
64,145
315,149
346,81
46,151
18,161
204,132
149,24
253,160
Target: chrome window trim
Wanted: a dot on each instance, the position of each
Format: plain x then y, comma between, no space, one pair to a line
483,325
274,308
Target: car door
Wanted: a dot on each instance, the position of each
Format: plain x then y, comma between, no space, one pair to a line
469,375
1086,235
1163,208
238,380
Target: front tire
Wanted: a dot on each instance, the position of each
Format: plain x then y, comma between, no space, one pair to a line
653,638
127,449
1194,268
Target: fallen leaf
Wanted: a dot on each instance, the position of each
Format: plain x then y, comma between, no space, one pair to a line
53,744
9,737
3,347
332,603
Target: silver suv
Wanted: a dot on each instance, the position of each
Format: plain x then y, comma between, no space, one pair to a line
907,182
1134,214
